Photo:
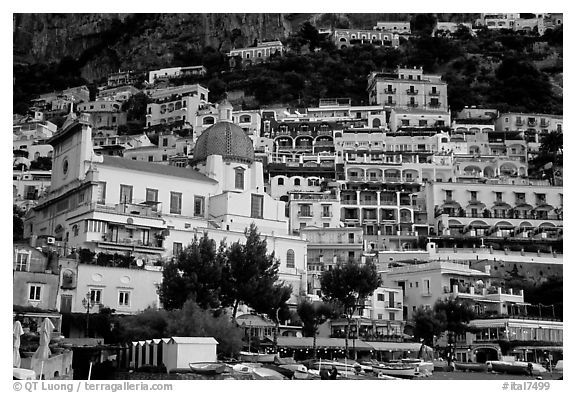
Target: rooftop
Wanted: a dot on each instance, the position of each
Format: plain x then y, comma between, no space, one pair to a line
157,169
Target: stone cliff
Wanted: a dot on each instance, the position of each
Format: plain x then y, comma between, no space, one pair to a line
104,43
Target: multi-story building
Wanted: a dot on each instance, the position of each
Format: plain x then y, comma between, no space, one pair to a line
342,111
526,213
121,78
175,72
533,125
35,281
345,37
401,119
128,290
256,54
497,21
28,186
120,94
104,114
28,139
150,211
313,209
175,105
408,88
402,28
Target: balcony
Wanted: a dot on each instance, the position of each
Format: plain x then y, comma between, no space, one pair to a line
324,144
368,202
390,103
412,105
544,123
324,132
531,123
434,93
133,245
349,201
394,305
434,104
519,122
143,209
303,147
304,132
305,214
392,179
411,92
389,91
327,215
356,178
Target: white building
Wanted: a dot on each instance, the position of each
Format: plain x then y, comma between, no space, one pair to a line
151,211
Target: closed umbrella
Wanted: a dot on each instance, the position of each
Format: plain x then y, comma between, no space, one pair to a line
17,331
43,352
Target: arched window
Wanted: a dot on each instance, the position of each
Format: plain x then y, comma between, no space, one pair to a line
280,181
208,120
296,182
245,119
376,123
75,230
239,178
290,258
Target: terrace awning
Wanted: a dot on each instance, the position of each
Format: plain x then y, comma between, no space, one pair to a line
322,342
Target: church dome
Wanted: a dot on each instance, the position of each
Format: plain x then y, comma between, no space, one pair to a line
225,139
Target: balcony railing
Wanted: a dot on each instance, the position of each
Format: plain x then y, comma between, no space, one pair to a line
389,91
519,122
434,104
412,105
305,214
434,93
395,305
411,92
390,103
368,202
128,209
544,123
324,132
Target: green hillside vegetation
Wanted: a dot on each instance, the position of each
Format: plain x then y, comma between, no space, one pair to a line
501,69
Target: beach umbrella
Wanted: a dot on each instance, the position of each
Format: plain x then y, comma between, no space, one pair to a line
17,331
43,352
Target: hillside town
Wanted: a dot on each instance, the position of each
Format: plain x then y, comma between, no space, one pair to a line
262,218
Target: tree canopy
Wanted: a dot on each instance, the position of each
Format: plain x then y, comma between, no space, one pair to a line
348,285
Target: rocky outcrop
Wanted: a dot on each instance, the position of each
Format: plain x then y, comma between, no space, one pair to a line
102,43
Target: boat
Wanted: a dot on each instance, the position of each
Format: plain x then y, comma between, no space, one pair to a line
396,369
464,366
284,371
244,368
424,367
208,368
257,357
514,367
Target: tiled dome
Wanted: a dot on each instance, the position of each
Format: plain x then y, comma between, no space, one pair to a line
225,139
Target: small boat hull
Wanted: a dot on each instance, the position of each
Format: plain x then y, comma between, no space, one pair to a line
258,357
517,368
398,370
477,367
208,368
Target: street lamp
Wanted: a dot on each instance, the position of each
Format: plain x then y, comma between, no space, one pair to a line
88,303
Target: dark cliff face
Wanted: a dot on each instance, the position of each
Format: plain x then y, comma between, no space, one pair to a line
103,43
